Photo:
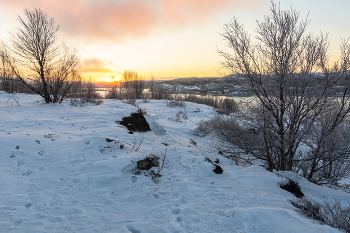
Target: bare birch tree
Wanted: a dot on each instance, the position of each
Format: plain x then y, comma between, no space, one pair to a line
38,61
295,88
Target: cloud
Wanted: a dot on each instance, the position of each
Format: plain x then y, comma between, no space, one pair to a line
119,20
94,65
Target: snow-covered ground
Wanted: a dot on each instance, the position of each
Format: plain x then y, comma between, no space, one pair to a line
59,174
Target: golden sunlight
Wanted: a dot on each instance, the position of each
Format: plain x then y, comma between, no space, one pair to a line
102,77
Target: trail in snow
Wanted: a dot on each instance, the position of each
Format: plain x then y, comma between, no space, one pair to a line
60,174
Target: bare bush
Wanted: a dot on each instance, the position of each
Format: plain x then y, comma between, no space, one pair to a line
179,116
242,144
326,162
203,128
223,105
138,142
131,101
176,103
332,214
161,165
82,92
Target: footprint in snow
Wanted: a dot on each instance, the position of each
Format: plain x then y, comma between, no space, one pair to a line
178,219
20,162
41,153
133,179
27,173
28,205
132,229
18,222
175,211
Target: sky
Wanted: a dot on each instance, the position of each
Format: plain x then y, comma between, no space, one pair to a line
164,38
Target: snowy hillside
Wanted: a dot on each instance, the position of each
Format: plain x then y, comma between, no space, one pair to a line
70,169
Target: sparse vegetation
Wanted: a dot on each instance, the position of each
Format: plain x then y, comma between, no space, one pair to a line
145,165
223,105
180,116
138,142
332,214
176,103
84,92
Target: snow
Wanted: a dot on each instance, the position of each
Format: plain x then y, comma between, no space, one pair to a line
59,174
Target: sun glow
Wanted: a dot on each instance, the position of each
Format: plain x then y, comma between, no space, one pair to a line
102,77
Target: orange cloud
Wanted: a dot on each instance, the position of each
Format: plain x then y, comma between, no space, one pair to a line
184,11
91,65
96,70
121,19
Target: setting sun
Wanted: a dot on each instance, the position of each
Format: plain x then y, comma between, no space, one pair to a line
102,77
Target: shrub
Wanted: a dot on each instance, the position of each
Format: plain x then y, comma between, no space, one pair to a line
176,103
84,92
321,158
332,214
223,105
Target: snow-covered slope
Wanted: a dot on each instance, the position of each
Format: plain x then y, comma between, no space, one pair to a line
59,174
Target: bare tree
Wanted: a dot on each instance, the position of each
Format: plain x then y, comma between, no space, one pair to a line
281,63
38,61
152,87
7,80
132,85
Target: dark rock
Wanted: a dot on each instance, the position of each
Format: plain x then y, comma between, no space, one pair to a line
292,187
147,163
217,169
136,122
109,140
